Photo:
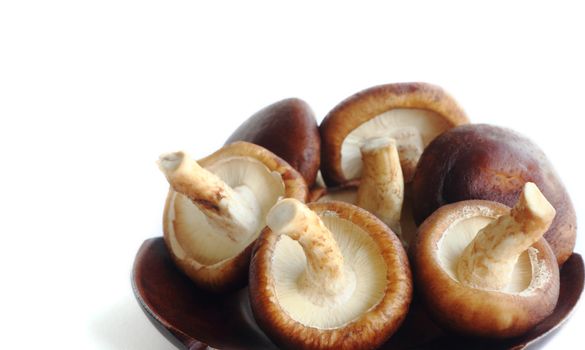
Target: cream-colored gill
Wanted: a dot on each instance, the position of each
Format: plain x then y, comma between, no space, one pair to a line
489,260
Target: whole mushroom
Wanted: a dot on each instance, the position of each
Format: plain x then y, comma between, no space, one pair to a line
484,270
328,276
372,142
480,161
216,208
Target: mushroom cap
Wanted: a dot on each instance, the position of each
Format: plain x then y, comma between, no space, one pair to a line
375,310
212,261
480,161
287,128
531,296
376,112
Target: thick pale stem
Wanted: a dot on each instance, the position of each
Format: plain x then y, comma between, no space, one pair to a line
410,148
381,189
488,261
326,279
233,212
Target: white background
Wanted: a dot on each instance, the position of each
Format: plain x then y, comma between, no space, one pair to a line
92,92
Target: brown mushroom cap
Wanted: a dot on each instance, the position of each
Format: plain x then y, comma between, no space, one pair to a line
479,161
366,330
479,312
213,262
375,112
287,128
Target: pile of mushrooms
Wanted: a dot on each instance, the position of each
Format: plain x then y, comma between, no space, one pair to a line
402,171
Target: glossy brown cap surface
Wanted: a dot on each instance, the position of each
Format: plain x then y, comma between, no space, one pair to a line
288,129
480,161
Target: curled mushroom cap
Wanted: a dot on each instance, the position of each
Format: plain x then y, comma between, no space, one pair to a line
484,270
328,276
411,113
216,208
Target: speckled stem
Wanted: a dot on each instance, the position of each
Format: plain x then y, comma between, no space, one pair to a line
488,261
381,189
233,212
325,276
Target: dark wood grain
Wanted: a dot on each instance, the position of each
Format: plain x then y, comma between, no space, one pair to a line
193,319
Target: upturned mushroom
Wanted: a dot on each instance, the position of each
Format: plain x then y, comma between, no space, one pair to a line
480,161
485,270
287,128
328,276
377,136
216,208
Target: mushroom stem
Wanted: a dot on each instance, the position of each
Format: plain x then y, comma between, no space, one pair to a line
234,212
325,279
488,261
381,189
410,148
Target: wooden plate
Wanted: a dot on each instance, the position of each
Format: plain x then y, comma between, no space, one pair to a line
193,319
